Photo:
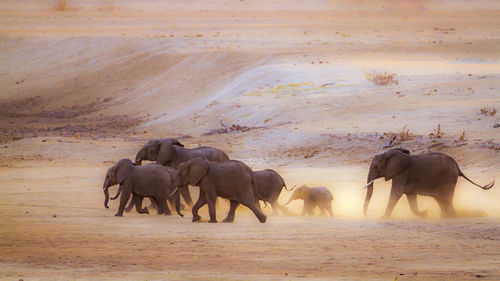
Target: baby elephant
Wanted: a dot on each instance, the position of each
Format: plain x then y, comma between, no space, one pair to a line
153,181
313,197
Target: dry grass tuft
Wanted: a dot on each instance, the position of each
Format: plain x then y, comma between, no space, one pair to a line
491,111
462,137
438,133
382,79
405,134
60,5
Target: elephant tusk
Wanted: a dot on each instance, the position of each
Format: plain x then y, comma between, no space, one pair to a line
368,184
173,192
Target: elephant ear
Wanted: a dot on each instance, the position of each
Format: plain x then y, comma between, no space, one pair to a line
197,170
396,162
176,142
123,169
165,153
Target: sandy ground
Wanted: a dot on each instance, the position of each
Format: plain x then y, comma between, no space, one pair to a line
86,83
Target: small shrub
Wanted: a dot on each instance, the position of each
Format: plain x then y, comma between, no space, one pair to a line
60,5
438,133
462,137
405,134
382,79
491,111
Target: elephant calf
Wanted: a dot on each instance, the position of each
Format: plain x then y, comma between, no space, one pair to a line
313,197
153,181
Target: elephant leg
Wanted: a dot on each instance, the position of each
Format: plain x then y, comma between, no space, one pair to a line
123,201
396,193
211,196
447,209
186,195
153,204
329,208
305,208
282,208
138,204
257,211
322,209
232,211
130,205
412,199
201,201
275,208
167,211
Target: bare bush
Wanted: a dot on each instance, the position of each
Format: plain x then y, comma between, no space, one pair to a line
60,5
491,111
438,133
462,137
382,79
405,134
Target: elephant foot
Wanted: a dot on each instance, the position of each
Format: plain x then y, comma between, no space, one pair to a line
118,215
167,214
424,214
385,217
228,219
196,218
212,221
263,219
144,211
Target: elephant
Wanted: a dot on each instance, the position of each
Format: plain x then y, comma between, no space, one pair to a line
269,184
231,179
313,197
431,174
151,181
171,200
170,152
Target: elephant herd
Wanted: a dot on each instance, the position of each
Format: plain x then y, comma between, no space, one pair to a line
176,167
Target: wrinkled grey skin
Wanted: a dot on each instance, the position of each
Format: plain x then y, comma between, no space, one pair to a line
171,153
432,174
171,199
151,181
313,197
269,185
231,179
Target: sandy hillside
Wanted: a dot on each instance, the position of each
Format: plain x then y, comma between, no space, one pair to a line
86,83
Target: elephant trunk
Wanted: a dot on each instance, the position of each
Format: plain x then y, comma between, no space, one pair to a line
369,191
139,157
105,188
117,193
178,202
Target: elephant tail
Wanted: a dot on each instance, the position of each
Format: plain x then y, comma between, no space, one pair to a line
486,187
284,185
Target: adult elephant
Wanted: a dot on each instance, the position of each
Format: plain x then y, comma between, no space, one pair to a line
231,179
152,181
313,197
175,184
431,174
171,153
269,185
